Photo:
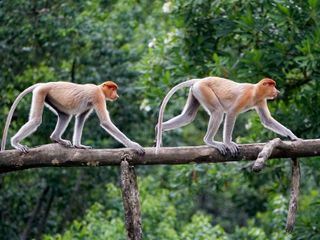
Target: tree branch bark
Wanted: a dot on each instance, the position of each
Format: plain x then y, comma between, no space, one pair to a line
265,154
54,155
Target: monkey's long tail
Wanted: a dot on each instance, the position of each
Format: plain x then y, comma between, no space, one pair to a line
13,107
188,83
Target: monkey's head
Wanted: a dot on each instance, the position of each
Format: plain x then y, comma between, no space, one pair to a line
268,88
109,89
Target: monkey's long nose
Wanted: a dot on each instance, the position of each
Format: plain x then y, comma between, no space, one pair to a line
277,93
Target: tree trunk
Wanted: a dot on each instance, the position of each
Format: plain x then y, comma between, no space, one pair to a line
295,185
130,196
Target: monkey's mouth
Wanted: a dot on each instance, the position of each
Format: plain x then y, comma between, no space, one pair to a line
273,97
112,99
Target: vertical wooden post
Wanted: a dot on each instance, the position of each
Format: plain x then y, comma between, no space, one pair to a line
295,184
131,204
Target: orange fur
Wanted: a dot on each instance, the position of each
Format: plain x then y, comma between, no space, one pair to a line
111,84
266,89
245,101
268,81
109,89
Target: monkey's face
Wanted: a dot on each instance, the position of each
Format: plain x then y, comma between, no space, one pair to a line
111,94
271,92
109,89
269,88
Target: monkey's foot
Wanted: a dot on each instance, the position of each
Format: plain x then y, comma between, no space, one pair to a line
21,148
65,143
233,148
220,146
80,146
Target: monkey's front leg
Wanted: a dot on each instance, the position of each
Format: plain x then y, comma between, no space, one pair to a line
117,134
227,133
269,122
277,127
107,124
62,123
78,127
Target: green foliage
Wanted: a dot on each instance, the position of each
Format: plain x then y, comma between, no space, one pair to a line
204,229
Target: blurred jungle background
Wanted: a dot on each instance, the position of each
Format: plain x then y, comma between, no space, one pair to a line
147,47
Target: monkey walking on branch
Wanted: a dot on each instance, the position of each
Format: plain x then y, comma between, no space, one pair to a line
66,99
221,96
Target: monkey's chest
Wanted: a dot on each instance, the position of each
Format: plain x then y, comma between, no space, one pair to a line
246,109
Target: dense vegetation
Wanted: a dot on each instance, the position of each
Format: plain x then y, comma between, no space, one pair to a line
148,47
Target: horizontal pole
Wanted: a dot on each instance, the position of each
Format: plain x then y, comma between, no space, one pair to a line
55,155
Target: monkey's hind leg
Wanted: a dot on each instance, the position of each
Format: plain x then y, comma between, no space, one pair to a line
188,114
213,125
35,119
62,123
211,104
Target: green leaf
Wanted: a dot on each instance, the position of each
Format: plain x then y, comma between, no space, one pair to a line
283,9
313,4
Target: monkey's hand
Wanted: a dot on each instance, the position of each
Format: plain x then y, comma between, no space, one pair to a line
297,140
233,148
140,150
80,146
294,137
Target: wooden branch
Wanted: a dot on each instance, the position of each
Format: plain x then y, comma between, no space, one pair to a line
265,154
131,204
54,155
295,185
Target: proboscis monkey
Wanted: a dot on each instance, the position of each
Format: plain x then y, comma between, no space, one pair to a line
66,99
221,96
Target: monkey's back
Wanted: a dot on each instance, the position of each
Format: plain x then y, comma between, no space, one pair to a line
70,98
226,90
